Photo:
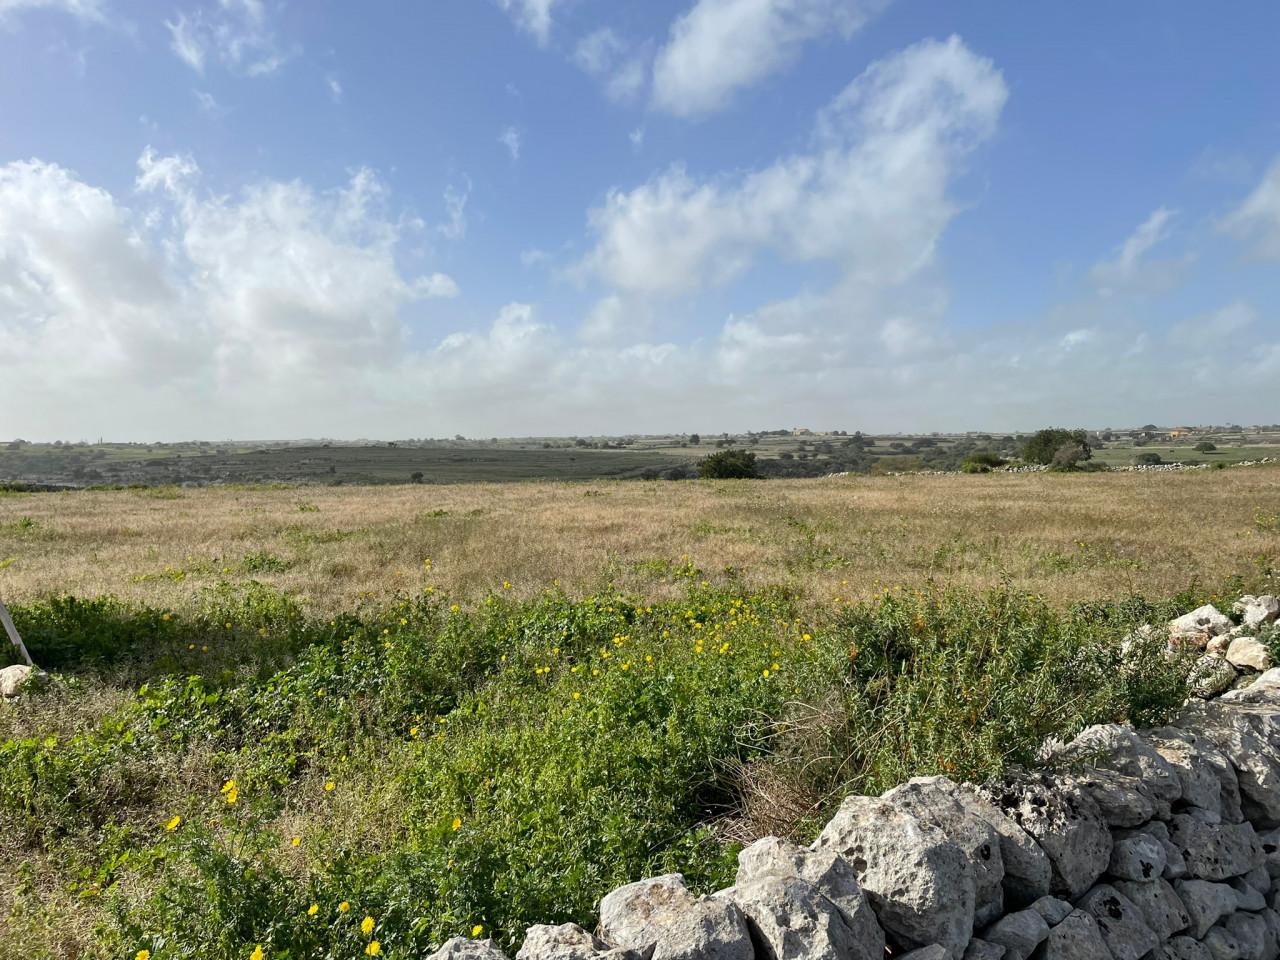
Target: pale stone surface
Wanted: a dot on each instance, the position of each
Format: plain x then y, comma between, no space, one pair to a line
1249,735
1067,825
1205,902
1215,851
1265,689
1019,933
920,883
568,941
460,948
1124,929
1052,909
14,678
661,912
1138,856
1222,945
830,873
1211,675
1112,746
1256,611
1248,653
936,801
1184,948
1199,625
1160,906
1201,768
790,920
1122,800
1027,869
1078,937
982,950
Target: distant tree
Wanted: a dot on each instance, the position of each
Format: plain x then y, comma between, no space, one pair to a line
1043,445
1070,455
1148,459
416,476
728,465
694,439
1204,446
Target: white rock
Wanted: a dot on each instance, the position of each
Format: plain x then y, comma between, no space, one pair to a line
920,883
1255,611
460,948
1197,626
830,873
1124,928
662,913
1249,653
1203,757
1138,856
1210,676
1067,825
1249,735
1265,689
1027,869
1112,746
568,941
14,678
790,920
1215,851
935,800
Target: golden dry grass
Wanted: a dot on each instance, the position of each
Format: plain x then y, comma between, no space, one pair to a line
1065,536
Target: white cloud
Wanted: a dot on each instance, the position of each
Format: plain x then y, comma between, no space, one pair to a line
605,55
1131,268
437,285
871,195
1216,327
455,204
88,10
510,138
335,89
720,47
636,137
208,103
532,16
1257,220
238,32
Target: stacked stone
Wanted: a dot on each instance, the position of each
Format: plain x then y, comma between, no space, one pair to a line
1155,845
1231,651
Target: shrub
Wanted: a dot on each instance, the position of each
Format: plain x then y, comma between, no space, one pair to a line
1069,456
1204,446
728,464
1148,459
1042,446
982,461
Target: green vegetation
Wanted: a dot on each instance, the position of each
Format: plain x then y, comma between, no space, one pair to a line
1060,448
199,783
729,465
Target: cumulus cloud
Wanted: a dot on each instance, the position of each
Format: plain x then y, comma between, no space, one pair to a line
532,16
237,32
1256,221
720,47
89,10
623,68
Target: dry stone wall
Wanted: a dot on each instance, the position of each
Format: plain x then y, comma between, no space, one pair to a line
1158,844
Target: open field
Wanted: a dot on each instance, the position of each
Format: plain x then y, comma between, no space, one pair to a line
1068,537
270,718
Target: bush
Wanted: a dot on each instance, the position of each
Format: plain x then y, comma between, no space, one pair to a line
982,461
1069,456
1042,446
729,465
1148,459
1204,446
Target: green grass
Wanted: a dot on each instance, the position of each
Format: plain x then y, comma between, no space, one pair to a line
499,765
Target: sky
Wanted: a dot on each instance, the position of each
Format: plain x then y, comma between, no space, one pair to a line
308,218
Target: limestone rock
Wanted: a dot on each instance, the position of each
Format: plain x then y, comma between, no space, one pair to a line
1052,909
1123,801
1249,735
1211,675
920,883
1138,856
1205,902
13,679
935,800
1027,869
1258,877
1270,843
1019,933
1222,945
830,873
1196,627
1215,851
1159,904
1247,898
1265,689
1249,653
1112,746
1067,825
1201,768
662,913
934,951
568,941
1256,611
1183,948
982,950
1124,929
1078,937
460,948
790,920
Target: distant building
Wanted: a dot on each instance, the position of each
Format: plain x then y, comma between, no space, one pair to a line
1177,433
801,432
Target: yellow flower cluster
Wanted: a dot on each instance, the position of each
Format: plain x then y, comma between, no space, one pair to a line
230,792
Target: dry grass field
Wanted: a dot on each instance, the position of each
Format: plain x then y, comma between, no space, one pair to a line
1067,537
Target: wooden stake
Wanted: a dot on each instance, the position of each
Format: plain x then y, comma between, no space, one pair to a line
12,631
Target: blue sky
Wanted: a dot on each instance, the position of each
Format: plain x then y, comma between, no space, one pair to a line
501,217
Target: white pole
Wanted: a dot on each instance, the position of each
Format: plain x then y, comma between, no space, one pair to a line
12,631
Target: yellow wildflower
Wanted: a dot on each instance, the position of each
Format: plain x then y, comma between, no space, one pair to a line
344,907
313,910
328,787
374,949
230,791
457,823
366,926
296,841
477,930
142,955
257,953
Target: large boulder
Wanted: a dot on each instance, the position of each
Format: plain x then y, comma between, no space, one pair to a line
663,914
15,678
1249,653
460,948
1205,902
1019,933
1215,851
1112,746
1251,933
921,884
1159,904
1211,675
1195,628
1124,928
1068,827
1028,871
1249,735
829,872
1138,856
1078,937
790,920
568,941
1265,689
1208,780
936,800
